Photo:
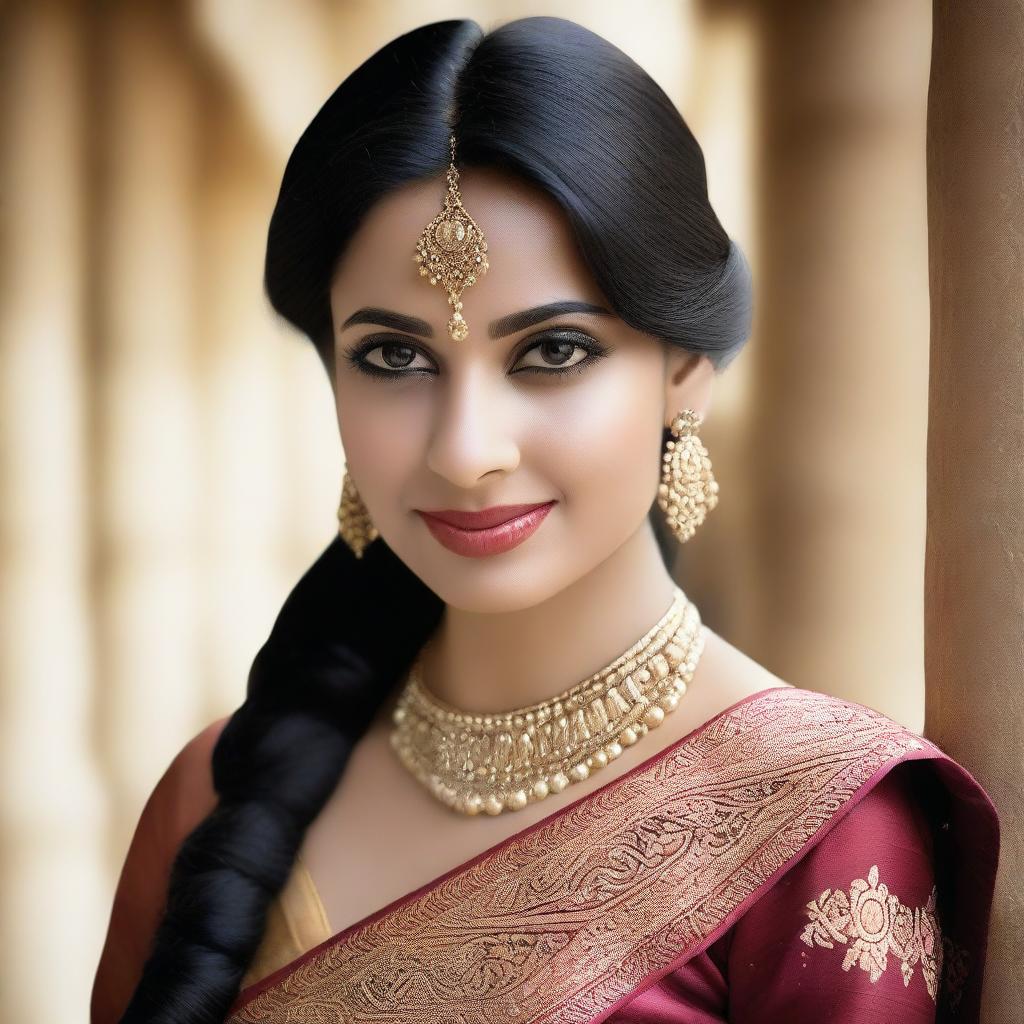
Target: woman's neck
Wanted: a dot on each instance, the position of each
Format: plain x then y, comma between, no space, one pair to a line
485,663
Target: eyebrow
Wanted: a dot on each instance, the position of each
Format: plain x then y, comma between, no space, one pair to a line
496,329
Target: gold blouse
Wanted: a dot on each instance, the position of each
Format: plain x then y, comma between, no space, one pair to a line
296,922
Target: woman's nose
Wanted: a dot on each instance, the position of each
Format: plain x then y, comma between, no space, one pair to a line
472,431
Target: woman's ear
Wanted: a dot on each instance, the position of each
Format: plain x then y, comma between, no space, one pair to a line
688,378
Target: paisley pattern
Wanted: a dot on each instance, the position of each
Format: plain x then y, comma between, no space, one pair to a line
569,917
874,923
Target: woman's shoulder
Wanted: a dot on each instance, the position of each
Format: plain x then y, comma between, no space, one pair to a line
887,762
853,924
192,762
737,677
895,873
179,801
184,794
189,775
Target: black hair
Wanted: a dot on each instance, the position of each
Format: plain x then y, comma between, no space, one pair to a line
543,98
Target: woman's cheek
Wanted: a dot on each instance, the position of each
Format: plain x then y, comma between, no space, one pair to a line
602,467
378,451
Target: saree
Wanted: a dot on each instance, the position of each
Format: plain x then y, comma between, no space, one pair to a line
797,858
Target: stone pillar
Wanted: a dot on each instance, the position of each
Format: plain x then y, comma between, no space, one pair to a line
974,576
839,356
147,437
52,812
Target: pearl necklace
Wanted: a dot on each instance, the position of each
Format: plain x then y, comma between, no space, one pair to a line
502,762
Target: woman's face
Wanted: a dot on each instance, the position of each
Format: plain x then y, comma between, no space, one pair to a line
529,408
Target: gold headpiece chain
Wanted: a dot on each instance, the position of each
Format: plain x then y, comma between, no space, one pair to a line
452,251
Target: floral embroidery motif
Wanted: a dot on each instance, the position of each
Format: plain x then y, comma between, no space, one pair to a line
878,924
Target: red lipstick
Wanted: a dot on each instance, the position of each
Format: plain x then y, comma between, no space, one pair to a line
487,532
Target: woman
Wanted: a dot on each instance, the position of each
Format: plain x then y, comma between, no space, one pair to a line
491,765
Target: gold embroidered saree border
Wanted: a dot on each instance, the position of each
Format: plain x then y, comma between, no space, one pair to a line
564,920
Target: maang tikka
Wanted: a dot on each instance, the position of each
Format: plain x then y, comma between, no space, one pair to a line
687,491
452,250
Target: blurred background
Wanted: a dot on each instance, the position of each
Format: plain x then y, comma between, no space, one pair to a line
169,457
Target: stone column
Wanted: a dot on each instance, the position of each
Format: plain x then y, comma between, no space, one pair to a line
839,356
52,812
974,578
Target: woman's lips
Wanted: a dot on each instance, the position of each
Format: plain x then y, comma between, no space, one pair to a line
519,523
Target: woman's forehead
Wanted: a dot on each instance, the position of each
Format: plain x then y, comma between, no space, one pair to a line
531,250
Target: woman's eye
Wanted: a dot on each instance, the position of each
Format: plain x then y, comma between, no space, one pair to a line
390,359
558,352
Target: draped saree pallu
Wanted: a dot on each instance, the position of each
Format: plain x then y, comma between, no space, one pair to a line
760,853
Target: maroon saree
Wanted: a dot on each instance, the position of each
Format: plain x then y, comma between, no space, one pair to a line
797,858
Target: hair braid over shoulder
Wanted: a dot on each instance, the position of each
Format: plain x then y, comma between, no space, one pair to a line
346,634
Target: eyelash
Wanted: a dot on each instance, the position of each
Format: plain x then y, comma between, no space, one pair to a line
356,356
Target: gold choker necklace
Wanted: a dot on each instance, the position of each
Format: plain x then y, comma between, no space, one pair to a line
502,762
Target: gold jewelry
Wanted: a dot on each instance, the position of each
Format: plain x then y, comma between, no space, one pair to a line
452,250
502,762
355,527
688,489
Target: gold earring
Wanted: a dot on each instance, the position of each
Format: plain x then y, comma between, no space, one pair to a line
452,250
688,489
355,527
